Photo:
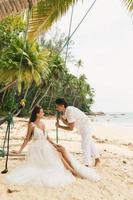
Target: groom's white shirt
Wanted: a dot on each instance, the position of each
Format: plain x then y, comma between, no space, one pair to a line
82,124
76,116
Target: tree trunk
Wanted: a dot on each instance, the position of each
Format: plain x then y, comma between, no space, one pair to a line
38,102
3,97
21,107
2,120
50,102
35,98
8,86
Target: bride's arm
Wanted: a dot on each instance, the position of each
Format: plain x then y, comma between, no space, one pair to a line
27,138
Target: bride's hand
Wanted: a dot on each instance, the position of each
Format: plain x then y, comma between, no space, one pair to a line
57,124
59,147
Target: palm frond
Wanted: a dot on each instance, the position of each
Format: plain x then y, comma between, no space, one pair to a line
45,13
8,7
34,66
129,4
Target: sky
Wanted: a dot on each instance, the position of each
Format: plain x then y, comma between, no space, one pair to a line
104,42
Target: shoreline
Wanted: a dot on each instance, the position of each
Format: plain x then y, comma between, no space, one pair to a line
116,149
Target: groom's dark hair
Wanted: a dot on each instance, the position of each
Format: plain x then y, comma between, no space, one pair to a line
61,101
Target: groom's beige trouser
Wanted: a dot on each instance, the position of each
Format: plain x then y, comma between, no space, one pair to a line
88,146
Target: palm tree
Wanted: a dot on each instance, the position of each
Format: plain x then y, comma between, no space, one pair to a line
43,13
20,61
8,7
129,4
79,64
56,69
33,67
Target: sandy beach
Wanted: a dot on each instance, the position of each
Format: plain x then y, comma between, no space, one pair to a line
116,170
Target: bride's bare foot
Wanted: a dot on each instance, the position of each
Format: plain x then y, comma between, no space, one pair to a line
97,162
76,174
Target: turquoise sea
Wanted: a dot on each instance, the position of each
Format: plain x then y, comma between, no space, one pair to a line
122,119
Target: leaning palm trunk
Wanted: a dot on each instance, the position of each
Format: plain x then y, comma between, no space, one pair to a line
8,7
3,97
50,101
74,101
8,86
129,4
3,120
44,94
35,98
39,101
18,111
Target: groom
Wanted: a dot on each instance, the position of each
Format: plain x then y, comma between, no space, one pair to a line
74,118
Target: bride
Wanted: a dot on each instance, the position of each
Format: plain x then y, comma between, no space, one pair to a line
47,164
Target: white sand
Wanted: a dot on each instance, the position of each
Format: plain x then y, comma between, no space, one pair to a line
116,147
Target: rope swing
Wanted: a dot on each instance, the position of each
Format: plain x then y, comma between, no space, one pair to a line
70,35
9,118
81,21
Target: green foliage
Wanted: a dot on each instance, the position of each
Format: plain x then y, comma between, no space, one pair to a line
129,4
45,13
20,60
42,76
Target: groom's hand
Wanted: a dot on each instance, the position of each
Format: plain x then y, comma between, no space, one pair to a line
63,117
57,124
64,120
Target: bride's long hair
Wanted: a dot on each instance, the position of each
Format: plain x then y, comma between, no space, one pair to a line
33,116
34,113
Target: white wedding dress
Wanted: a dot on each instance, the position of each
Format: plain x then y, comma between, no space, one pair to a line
44,167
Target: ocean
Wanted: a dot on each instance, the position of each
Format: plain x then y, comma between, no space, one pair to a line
122,119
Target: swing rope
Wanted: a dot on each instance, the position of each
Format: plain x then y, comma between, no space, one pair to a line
81,21
69,32
9,117
66,55
22,102
70,35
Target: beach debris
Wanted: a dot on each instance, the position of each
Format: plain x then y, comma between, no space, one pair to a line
101,141
130,144
124,162
11,191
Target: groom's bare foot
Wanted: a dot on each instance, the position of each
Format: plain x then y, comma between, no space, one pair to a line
97,162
